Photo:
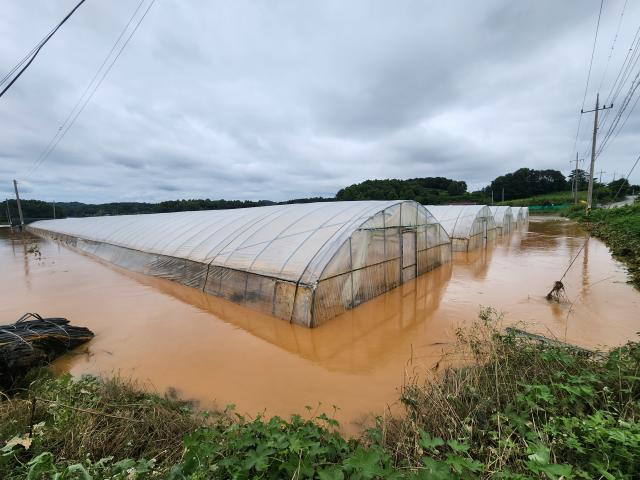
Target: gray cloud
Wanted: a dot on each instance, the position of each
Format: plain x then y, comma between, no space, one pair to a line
288,99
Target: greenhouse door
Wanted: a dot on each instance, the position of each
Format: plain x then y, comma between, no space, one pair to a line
408,255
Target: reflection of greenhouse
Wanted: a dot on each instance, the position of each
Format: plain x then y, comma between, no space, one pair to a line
357,341
504,219
469,226
522,216
302,262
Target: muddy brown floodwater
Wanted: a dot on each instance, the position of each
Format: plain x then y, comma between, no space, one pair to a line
173,337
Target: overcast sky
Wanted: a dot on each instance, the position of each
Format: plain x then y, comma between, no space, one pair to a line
283,99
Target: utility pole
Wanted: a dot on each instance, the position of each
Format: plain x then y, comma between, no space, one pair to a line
600,175
15,187
492,196
574,186
502,194
54,209
593,148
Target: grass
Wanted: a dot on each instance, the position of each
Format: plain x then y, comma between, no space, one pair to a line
523,409
512,407
89,422
602,194
558,198
619,228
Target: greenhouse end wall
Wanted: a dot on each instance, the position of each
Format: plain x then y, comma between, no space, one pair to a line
468,226
391,247
387,251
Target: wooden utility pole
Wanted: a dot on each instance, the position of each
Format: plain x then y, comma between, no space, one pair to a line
574,187
593,148
15,187
502,194
54,209
600,175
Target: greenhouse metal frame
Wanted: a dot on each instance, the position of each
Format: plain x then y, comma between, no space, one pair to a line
305,263
503,218
522,216
468,226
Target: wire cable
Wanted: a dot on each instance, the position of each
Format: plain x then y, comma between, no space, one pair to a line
90,84
61,133
622,184
586,87
630,59
613,45
24,59
37,51
616,120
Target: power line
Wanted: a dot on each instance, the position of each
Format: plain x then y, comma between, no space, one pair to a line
613,45
90,84
42,44
593,51
624,74
69,123
616,120
586,87
626,178
24,59
626,118
629,62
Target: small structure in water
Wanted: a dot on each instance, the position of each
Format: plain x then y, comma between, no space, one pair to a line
304,263
503,218
468,226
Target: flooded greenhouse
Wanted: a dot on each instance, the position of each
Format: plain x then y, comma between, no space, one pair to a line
304,263
503,218
468,226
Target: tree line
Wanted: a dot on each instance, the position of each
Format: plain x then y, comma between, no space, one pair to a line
522,183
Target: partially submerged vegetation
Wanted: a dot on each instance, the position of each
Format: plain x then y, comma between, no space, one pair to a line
517,408
619,228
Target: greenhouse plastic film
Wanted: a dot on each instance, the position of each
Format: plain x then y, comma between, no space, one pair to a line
292,261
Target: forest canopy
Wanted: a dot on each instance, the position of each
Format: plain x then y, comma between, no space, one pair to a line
526,182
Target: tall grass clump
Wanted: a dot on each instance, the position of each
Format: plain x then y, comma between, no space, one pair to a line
87,422
619,228
520,408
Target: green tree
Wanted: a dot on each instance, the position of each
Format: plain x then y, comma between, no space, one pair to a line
526,182
582,177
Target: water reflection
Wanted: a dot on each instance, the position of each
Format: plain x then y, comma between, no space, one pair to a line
356,341
476,262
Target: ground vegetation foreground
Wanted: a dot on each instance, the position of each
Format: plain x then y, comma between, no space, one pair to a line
514,408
